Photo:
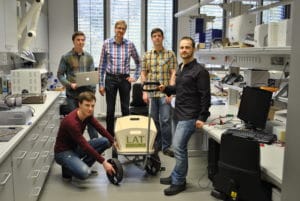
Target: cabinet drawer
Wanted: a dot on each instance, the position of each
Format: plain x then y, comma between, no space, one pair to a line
6,181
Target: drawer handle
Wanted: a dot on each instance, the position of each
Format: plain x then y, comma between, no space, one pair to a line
5,179
35,174
51,126
45,169
36,191
45,154
35,155
34,137
22,155
44,139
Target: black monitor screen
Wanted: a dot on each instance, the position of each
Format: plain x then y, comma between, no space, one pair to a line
254,107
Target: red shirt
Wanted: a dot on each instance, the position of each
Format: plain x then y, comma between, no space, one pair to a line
70,135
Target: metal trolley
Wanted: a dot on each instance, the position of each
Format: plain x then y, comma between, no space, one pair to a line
135,135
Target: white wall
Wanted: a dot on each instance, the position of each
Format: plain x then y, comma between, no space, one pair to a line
291,172
183,22
61,28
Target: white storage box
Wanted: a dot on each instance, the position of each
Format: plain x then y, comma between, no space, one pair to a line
256,78
131,134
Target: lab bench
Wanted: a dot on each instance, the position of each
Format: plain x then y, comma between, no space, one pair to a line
26,158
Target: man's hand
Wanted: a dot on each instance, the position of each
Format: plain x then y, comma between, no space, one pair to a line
168,99
130,79
199,124
145,97
108,168
102,91
73,86
161,88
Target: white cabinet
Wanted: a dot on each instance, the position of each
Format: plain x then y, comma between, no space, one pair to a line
32,158
8,26
6,181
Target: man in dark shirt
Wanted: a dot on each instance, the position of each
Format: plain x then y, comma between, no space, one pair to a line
192,104
74,61
72,151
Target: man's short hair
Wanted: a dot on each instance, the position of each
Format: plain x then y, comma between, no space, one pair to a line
156,30
77,33
189,38
86,96
123,22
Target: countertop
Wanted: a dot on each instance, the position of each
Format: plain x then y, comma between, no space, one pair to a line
38,110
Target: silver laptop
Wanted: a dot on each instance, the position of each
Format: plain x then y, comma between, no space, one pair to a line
87,78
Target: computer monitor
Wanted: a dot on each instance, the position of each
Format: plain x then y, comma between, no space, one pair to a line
254,107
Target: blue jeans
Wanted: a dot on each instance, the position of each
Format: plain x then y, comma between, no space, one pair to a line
73,104
161,114
183,133
113,84
76,162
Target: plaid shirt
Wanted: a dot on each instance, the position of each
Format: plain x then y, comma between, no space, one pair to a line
115,59
71,63
157,65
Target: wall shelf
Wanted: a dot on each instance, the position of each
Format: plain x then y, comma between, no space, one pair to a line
275,58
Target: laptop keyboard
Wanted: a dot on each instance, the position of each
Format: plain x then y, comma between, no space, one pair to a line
259,136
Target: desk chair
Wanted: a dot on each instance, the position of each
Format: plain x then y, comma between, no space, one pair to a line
64,108
137,105
239,174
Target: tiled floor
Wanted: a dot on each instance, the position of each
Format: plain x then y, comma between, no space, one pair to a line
136,184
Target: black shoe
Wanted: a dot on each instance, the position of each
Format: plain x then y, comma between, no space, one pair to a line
166,180
93,173
168,152
174,189
66,175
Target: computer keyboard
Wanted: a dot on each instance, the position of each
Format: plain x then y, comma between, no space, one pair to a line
259,136
6,133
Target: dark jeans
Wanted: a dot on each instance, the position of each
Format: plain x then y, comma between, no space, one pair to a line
73,104
77,162
113,83
161,114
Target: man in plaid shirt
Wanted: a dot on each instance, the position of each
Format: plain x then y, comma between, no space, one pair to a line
159,65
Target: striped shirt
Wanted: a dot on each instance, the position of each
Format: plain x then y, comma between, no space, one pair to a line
115,59
158,66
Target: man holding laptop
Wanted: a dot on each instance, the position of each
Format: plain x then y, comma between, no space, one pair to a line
77,74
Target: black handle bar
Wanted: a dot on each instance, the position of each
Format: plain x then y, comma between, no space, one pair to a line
153,86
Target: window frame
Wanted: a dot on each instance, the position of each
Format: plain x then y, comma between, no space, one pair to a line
144,25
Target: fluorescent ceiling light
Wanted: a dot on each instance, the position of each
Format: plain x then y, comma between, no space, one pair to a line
194,7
